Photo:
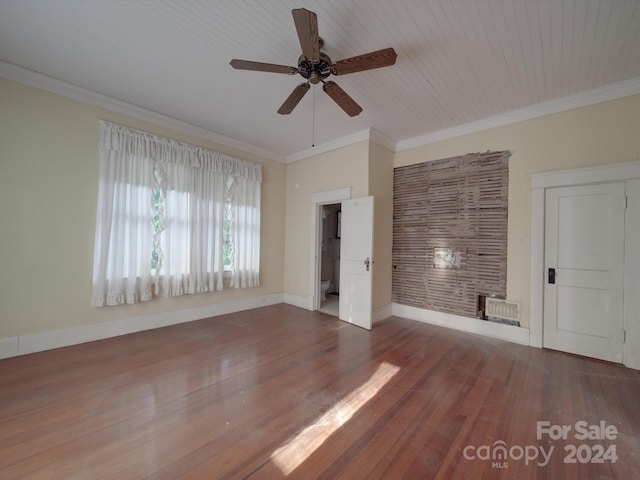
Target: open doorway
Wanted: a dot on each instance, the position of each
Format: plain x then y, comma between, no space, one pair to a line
329,256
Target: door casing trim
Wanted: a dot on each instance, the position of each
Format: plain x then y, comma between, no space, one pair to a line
318,199
539,183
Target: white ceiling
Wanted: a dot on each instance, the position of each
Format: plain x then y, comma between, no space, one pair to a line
458,61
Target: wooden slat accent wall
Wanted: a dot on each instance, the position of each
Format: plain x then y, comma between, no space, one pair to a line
460,203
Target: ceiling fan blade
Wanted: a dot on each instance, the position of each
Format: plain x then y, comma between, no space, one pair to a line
367,61
262,67
293,99
347,103
307,27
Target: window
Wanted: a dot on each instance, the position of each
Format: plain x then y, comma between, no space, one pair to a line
172,218
228,248
155,206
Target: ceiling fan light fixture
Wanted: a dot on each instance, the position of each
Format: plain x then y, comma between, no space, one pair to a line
314,79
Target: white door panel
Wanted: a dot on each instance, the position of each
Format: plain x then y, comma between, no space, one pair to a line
581,310
582,242
584,245
356,262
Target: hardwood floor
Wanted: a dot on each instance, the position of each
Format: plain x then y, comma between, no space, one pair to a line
281,391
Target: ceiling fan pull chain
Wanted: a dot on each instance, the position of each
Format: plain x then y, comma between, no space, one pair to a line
313,119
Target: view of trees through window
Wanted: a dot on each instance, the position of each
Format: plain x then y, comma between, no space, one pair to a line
228,245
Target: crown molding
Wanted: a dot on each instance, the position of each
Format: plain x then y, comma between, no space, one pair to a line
369,134
60,87
327,147
381,139
570,102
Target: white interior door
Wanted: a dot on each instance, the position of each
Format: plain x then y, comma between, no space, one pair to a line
584,259
356,261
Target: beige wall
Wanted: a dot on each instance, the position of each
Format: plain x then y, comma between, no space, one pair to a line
344,167
604,133
381,187
48,190
367,168
48,194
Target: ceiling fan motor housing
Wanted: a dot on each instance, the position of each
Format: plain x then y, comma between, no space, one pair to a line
315,71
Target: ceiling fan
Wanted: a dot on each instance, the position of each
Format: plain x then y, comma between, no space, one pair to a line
315,66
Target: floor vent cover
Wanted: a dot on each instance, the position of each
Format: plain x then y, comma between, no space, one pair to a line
501,309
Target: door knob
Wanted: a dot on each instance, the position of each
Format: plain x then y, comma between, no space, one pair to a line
367,263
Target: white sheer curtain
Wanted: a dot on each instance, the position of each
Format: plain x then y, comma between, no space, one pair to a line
191,243
122,259
186,188
245,232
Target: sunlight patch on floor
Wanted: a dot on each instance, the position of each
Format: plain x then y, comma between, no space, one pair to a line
291,455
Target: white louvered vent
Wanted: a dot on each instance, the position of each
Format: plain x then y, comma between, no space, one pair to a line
498,308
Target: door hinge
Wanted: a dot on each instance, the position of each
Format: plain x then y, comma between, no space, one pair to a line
624,336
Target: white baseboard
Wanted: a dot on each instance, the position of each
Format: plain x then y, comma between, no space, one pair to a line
9,347
378,314
298,301
38,342
472,325
382,312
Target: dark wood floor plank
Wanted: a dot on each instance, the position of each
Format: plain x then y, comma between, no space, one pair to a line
221,398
